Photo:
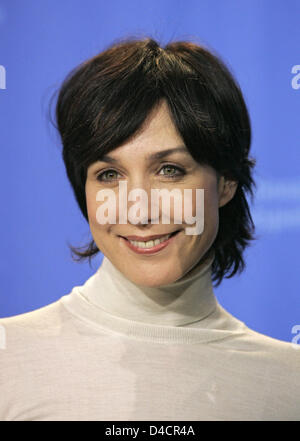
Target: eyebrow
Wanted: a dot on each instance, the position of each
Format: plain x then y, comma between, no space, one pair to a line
158,155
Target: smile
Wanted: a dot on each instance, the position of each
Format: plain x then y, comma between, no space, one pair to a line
150,243
150,246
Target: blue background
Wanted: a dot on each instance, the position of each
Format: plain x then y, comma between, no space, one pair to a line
41,41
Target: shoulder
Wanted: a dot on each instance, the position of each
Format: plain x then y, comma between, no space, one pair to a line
270,346
34,318
277,361
247,340
30,328
259,353
31,351
264,368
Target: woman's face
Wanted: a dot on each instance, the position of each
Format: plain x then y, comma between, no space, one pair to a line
131,163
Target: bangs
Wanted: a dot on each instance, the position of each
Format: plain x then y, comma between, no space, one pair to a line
116,101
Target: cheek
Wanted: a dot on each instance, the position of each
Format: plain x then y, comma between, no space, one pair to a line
211,198
205,201
211,213
99,231
91,206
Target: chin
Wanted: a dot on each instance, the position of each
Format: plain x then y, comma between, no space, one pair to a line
154,284
152,281
151,284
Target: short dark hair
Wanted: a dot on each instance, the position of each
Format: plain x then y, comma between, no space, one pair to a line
105,100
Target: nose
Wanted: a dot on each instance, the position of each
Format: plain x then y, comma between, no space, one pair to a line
139,204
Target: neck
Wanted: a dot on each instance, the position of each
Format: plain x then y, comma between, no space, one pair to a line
185,301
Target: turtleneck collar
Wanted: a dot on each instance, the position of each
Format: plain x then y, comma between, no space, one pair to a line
180,303
183,312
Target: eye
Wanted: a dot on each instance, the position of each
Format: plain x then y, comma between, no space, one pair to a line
106,173
111,175
170,167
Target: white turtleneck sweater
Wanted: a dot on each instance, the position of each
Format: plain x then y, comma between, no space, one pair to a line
111,350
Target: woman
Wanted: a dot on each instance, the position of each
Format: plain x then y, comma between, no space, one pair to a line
144,338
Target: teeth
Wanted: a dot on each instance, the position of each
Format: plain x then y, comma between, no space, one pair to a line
150,243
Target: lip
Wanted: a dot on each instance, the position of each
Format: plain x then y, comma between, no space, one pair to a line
147,238
152,250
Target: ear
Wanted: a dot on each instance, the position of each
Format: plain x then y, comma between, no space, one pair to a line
227,190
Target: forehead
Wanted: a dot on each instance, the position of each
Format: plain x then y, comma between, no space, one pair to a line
157,133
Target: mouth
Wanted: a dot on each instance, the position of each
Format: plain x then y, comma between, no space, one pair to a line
149,244
149,238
